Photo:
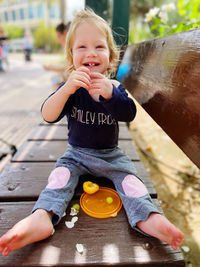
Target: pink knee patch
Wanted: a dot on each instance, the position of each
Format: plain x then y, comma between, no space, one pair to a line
58,178
133,187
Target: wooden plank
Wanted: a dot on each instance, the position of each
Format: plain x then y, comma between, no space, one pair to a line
163,76
106,242
40,151
53,133
124,133
17,177
58,132
44,151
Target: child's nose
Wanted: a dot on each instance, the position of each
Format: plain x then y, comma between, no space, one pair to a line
92,52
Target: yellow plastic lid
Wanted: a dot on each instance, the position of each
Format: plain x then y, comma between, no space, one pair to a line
96,206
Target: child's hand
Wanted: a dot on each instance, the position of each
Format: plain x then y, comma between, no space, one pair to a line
78,78
100,85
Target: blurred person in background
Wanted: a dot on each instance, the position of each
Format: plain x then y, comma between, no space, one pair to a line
61,33
28,46
4,49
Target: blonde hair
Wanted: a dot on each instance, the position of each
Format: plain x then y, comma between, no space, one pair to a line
89,16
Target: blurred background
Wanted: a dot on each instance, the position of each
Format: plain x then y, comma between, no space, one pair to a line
38,18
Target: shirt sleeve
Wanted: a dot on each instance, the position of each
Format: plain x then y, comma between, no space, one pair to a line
64,111
121,107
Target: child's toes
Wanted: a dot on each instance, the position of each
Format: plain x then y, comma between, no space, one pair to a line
6,251
2,244
176,244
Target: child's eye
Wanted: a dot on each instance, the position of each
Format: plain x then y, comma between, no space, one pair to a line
81,46
100,47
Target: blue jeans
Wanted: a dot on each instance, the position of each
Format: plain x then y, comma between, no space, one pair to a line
110,163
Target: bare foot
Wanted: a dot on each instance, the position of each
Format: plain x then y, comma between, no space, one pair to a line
33,228
158,226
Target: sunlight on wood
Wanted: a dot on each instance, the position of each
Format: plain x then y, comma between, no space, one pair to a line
51,133
50,255
38,133
27,151
143,255
110,253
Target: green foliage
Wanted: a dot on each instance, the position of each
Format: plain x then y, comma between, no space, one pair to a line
45,38
13,31
183,17
139,32
140,8
189,9
138,29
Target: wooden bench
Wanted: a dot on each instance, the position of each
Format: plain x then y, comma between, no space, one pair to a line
163,76
106,241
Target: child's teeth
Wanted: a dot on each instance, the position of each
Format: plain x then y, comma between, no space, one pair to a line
91,64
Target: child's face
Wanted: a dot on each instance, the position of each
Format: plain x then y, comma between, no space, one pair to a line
90,48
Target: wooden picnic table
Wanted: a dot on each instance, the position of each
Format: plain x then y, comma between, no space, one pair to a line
108,241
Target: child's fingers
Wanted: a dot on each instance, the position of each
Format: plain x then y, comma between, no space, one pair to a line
95,85
80,76
84,78
94,91
85,74
84,69
96,75
78,79
83,84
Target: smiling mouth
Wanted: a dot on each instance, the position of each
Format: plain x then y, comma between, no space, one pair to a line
91,64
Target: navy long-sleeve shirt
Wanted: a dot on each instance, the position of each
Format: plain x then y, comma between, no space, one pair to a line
93,124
